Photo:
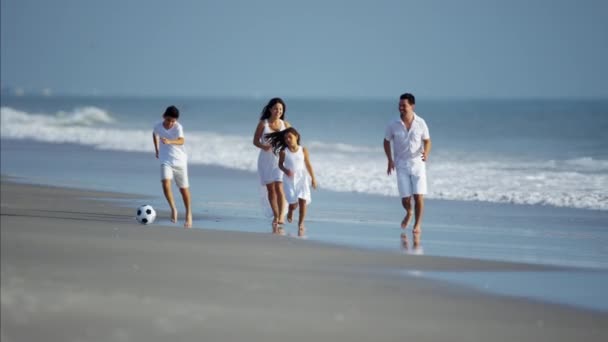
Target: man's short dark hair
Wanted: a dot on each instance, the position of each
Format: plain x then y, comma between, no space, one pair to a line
409,97
172,112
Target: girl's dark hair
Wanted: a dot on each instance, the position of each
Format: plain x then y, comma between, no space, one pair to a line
266,111
277,139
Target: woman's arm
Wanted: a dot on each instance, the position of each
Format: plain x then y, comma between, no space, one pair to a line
257,137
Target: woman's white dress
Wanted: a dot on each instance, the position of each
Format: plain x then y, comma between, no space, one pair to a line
298,185
268,162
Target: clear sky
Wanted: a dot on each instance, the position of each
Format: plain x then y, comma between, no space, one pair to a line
333,48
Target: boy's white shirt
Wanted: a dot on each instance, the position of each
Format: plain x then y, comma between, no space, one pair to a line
174,155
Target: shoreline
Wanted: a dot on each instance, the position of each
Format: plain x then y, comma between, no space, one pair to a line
74,267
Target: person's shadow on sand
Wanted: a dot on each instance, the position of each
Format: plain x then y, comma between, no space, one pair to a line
416,248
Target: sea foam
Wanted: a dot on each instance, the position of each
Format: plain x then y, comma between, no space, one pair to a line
576,183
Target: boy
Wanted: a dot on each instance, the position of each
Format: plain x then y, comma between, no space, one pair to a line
168,137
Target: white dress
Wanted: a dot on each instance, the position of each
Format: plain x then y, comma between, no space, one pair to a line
268,162
297,186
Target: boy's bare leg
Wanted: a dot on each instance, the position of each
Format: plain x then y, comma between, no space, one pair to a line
407,205
278,189
186,196
169,196
301,228
418,211
292,207
272,199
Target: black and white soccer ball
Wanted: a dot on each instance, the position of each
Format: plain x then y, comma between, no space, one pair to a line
145,214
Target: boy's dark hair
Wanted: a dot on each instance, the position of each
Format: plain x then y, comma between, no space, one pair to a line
266,111
409,97
277,139
172,112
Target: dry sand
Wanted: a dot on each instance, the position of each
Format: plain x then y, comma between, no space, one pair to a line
75,267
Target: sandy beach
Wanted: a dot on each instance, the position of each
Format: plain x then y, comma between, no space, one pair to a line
76,267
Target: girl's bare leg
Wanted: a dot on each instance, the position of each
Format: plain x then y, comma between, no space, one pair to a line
292,207
169,196
301,228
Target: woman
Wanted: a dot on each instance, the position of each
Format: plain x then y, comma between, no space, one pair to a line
271,120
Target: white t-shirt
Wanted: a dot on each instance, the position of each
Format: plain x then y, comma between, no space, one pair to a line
407,145
174,155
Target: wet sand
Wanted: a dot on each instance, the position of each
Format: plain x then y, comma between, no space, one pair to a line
76,267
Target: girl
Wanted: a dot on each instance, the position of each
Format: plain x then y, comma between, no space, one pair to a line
295,163
271,120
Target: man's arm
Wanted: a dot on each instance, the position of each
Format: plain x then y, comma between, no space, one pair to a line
387,151
427,149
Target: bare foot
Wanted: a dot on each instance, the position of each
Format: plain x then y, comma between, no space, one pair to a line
406,221
275,227
173,215
188,222
417,230
290,215
301,230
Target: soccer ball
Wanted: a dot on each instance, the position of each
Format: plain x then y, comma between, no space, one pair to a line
145,214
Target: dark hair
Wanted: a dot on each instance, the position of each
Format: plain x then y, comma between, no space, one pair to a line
266,111
277,139
409,97
172,112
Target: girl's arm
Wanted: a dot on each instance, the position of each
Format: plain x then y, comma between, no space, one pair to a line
309,168
257,137
281,166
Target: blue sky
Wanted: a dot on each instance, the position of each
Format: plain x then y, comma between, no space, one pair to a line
326,48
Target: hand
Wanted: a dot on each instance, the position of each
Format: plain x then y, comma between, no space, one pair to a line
314,183
164,141
391,167
425,157
289,173
156,154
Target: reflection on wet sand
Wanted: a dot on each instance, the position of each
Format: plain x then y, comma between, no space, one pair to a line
416,248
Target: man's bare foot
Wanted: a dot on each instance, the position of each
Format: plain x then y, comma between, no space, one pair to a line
417,230
188,222
406,221
301,230
290,215
173,215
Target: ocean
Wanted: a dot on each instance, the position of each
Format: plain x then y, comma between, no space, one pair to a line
514,180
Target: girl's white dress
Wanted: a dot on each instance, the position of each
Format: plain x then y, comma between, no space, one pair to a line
268,162
297,186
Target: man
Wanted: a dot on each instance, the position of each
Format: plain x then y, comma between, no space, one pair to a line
412,145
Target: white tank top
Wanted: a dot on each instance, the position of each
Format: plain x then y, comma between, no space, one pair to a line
294,161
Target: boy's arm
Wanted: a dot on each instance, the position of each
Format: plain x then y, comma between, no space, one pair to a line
178,141
309,168
155,140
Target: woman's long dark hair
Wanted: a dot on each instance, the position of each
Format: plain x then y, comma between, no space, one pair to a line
266,111
277,139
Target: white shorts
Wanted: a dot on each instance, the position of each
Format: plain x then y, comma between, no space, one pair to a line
179,173
411,180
